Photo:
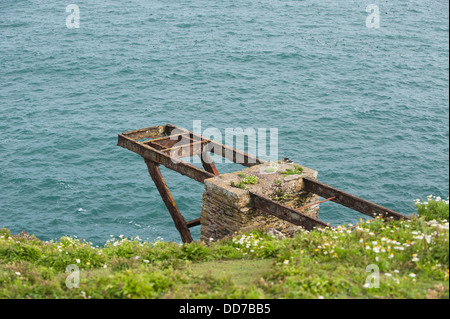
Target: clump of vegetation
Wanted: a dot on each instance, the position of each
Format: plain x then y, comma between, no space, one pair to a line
296,171
434,207
279,195
245,180
250,179
408,259
240,185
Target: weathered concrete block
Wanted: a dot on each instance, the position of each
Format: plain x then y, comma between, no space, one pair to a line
227,209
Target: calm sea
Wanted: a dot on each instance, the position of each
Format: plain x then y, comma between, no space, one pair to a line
367,107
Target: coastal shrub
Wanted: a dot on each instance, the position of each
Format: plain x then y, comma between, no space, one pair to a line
434,207
195,251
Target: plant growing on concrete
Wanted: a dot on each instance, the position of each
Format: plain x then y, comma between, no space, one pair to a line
289,171
245,180
240,185
280,196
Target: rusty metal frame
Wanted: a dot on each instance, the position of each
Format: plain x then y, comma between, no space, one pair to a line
167,144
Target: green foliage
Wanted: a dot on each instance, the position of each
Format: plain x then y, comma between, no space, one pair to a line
249,179
195,251
240,185
433,208
280,195
5,232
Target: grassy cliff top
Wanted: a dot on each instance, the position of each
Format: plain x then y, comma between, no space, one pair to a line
376,259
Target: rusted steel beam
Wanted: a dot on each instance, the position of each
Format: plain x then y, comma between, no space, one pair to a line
193,223
217,148
148,132
162,138
159,157
168,143
187,147
175,130
350,201
286,213
316,203
208,163
184,145
234,155
186,150
161,185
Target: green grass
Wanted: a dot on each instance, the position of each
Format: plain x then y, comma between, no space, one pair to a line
245,271
411,258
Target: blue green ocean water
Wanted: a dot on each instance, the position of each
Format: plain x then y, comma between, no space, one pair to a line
366,107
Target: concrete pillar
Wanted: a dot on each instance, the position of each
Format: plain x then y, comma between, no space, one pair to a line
227,209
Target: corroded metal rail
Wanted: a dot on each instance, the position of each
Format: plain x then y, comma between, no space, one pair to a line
349,200
286,213
167,144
